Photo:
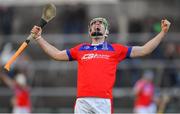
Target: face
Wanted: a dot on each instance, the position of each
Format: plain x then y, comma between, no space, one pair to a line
20,79
97,29
149,77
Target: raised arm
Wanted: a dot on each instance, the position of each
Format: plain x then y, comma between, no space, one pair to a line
146,49
8,81
47,47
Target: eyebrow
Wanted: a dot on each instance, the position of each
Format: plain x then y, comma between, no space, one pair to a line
96,21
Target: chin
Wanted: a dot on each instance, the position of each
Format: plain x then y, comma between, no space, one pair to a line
97,37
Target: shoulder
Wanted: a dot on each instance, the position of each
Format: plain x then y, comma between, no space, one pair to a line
140,82
79,46
118,46
82,44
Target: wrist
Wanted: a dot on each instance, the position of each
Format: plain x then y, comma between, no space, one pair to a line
38,38
163,32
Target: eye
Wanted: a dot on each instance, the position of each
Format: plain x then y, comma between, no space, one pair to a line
92,23
100,22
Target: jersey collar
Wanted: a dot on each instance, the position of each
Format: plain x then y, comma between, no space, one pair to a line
98,44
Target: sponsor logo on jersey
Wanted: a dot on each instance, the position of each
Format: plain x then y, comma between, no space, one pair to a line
93,56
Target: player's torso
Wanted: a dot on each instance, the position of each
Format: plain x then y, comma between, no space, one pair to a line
146,95
147,89
96,69
98,58
22,97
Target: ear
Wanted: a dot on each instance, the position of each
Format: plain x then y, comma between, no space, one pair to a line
107,31
90,29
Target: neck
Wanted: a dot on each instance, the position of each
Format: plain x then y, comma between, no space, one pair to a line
147,80
98,40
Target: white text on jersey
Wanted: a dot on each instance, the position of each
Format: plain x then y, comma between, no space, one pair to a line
92,56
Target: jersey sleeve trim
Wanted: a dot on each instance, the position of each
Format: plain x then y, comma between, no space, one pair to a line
129,52
69,54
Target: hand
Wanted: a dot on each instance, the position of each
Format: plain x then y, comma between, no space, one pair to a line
165,24
36,32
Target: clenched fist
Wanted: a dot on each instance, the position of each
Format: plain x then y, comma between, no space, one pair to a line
165,24
36,32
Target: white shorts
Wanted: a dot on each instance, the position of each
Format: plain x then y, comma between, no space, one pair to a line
21,110
151,109
92,105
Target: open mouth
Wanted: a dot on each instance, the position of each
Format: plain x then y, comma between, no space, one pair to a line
96,33
98,29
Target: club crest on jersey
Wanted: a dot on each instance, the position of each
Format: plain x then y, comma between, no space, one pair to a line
93,56
86,47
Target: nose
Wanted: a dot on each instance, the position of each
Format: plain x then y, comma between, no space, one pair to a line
97,23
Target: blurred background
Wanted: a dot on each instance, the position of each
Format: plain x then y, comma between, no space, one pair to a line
132,22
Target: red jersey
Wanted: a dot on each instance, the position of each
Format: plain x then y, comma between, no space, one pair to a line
22,97
97,66
146,93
